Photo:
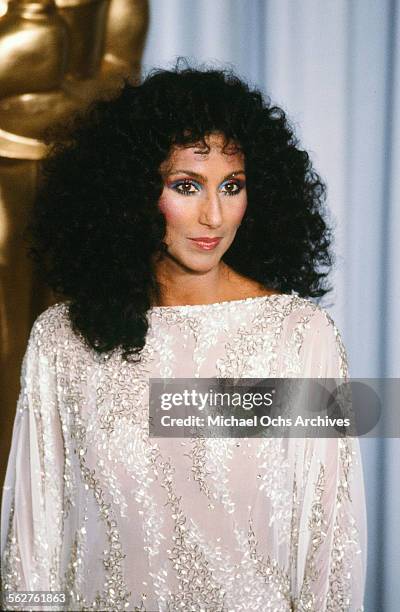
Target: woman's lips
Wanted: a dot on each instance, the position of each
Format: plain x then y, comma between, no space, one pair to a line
206,244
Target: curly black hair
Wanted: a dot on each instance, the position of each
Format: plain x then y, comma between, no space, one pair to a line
96,225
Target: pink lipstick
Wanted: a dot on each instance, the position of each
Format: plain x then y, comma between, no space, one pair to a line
207,244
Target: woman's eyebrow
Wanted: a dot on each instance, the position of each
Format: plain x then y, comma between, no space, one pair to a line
201,176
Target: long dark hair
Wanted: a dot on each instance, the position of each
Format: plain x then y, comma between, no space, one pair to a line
96,225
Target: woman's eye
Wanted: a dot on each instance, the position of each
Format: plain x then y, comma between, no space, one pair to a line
232,188
189,187
185,187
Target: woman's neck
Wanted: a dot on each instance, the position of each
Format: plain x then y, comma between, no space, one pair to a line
220,284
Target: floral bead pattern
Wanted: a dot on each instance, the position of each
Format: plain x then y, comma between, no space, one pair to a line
120,521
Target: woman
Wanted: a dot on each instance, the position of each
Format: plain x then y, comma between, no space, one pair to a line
185,230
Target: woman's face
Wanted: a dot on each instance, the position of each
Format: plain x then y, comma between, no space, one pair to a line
204,197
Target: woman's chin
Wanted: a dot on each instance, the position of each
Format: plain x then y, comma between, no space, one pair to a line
197,265
201,268
192,264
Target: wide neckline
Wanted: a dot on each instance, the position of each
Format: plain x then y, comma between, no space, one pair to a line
216,305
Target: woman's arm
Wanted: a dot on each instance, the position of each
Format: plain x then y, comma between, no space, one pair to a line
32,503
330,530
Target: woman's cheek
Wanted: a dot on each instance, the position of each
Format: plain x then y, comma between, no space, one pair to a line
172,211
163,205
240,212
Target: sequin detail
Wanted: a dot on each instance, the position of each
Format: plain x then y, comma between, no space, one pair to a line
120,520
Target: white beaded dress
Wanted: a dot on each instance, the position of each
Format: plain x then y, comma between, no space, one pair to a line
120,521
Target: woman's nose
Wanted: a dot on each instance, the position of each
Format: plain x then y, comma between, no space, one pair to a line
211,211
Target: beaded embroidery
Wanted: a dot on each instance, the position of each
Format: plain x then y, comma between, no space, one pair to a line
199,524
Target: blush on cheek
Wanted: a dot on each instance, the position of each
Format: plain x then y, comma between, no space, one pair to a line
162,204
241,212
170,209
166,209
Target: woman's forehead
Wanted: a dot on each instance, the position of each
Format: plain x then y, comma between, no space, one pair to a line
212,144
195,158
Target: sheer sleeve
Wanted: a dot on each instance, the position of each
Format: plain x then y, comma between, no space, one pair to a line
330,525
31,517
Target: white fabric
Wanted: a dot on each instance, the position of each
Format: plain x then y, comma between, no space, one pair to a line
93,506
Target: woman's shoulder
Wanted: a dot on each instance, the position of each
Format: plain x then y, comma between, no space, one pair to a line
293,309
303,318
309,329
319,319
51,328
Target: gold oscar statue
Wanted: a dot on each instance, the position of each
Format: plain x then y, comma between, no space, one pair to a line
55,58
